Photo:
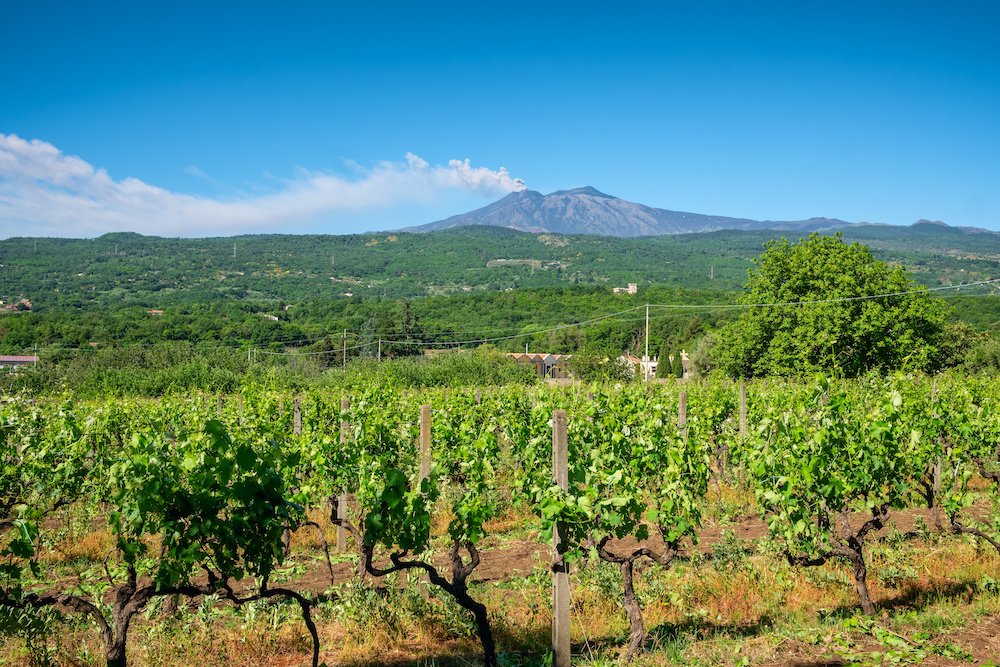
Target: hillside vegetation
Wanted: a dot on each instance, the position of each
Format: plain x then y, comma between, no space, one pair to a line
130,269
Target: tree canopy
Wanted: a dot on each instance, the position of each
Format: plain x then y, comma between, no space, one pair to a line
823,304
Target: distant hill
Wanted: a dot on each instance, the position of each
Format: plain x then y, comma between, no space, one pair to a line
589,211
128,269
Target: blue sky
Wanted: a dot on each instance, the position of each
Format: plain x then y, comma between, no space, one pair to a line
183,119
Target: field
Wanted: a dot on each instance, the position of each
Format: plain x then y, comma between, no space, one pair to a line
208,526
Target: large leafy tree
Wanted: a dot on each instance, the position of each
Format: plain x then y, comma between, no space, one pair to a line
816,305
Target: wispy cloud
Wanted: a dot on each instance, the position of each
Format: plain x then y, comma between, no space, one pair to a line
45,192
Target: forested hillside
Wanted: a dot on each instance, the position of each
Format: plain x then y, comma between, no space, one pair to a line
128,301
130,269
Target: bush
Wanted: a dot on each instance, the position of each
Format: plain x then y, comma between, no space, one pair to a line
480,367
601,366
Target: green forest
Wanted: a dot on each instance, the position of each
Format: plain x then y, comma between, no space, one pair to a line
226,307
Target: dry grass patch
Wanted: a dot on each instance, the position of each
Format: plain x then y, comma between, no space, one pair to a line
91,547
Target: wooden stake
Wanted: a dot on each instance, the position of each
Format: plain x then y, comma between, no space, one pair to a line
743,409
560,568
682,413
423,582
345,405
425,441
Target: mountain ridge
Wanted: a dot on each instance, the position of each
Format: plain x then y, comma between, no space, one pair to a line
587,210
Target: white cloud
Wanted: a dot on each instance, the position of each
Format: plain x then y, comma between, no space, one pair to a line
44,192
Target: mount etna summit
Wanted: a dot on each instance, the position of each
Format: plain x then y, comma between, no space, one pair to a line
589,211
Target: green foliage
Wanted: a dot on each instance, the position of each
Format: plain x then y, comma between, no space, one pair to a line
956,342
983,356
283,294
844,337
664,369
483,366
596,365
631,468
677,364
163,273
187,486
837,453
216,504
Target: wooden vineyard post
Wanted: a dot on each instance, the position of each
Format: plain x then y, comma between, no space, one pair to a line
425,473
241,409
560,568
743,409
345,405
936,473
218,406
286,536
479,396
425,441
682,412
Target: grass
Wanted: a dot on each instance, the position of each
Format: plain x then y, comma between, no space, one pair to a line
938,598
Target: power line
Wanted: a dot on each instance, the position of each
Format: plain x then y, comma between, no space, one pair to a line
843,299
525,334
389,338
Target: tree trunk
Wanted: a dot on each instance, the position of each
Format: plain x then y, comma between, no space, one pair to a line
116,656
938,510
637,631
170,606
478,611
861,581
286,541
116,641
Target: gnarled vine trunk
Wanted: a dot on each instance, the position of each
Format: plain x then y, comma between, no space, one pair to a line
637,629
458,587
626,563
850,547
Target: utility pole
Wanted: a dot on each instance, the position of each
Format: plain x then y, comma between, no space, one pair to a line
645,366
345,349
711,273
380,349
234,249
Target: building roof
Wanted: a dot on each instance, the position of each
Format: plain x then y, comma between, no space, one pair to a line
539,356
18,359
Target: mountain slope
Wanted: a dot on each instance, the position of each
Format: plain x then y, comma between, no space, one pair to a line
589,211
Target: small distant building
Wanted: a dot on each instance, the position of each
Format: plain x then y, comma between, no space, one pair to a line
14,361
644,367
21,304
155,312
546,365
633,288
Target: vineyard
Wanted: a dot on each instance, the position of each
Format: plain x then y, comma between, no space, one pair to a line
823,522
